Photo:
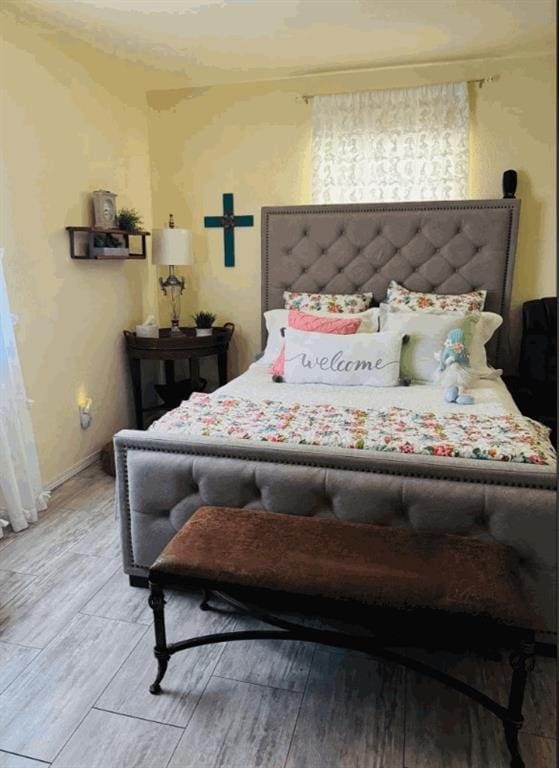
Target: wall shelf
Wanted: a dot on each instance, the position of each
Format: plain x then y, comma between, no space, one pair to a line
93,252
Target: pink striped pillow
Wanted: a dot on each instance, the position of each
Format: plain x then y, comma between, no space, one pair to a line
301,321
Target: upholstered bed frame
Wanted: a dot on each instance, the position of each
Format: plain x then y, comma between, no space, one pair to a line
443,247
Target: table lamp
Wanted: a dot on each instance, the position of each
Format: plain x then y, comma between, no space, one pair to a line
172,247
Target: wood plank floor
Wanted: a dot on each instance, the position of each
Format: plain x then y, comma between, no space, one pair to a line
76,660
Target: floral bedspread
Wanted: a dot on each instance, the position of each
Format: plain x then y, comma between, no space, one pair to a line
469,436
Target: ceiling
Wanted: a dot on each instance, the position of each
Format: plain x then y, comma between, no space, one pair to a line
223,41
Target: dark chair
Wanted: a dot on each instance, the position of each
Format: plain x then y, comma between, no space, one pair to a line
535,388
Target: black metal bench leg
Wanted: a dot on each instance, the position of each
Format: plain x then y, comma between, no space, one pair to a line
205,604
522,661
157,604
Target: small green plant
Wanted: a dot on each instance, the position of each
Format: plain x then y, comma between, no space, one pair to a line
129,220
204,319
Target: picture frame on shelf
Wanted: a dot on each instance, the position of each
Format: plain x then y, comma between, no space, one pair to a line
104,209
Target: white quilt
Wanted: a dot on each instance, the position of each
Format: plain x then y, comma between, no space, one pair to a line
491,397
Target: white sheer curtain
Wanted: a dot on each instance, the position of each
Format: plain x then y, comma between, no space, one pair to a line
21,490
393,145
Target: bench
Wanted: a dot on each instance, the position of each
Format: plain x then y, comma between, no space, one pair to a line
399,587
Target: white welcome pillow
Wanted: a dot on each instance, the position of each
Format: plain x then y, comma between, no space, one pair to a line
360,359
276,319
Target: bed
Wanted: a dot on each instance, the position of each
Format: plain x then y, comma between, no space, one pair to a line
163,475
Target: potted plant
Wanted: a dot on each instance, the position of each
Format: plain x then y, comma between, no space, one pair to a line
129,220
204,322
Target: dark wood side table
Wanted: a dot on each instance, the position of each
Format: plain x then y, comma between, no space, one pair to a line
170,347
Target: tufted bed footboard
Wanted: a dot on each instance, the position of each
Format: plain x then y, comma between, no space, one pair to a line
161,482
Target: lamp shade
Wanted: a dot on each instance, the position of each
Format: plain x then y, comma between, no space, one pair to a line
172,247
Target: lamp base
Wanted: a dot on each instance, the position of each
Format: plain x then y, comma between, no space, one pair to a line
173,286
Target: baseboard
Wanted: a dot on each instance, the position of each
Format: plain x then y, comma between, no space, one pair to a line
73,470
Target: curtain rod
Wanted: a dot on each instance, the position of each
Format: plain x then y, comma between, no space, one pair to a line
480,81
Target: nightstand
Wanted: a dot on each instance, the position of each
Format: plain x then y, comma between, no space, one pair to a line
170,347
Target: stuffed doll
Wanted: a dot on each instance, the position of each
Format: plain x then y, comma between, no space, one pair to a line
454,372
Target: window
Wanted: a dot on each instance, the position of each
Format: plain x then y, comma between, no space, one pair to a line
392,145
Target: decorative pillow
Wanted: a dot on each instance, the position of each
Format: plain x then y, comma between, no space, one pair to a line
321,323
485,327
369,318
481,328
427,332
276,319
398,296
359,359
328,302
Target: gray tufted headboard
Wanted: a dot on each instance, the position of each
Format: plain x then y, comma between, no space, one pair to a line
439,247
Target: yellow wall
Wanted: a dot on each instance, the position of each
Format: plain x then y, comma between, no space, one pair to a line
254,140
64,134
74,120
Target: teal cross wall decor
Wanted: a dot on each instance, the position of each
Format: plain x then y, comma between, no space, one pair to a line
228,221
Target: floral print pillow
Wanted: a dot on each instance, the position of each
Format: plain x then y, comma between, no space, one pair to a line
398,296
327,302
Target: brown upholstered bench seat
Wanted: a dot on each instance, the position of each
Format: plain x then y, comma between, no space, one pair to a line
361,563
